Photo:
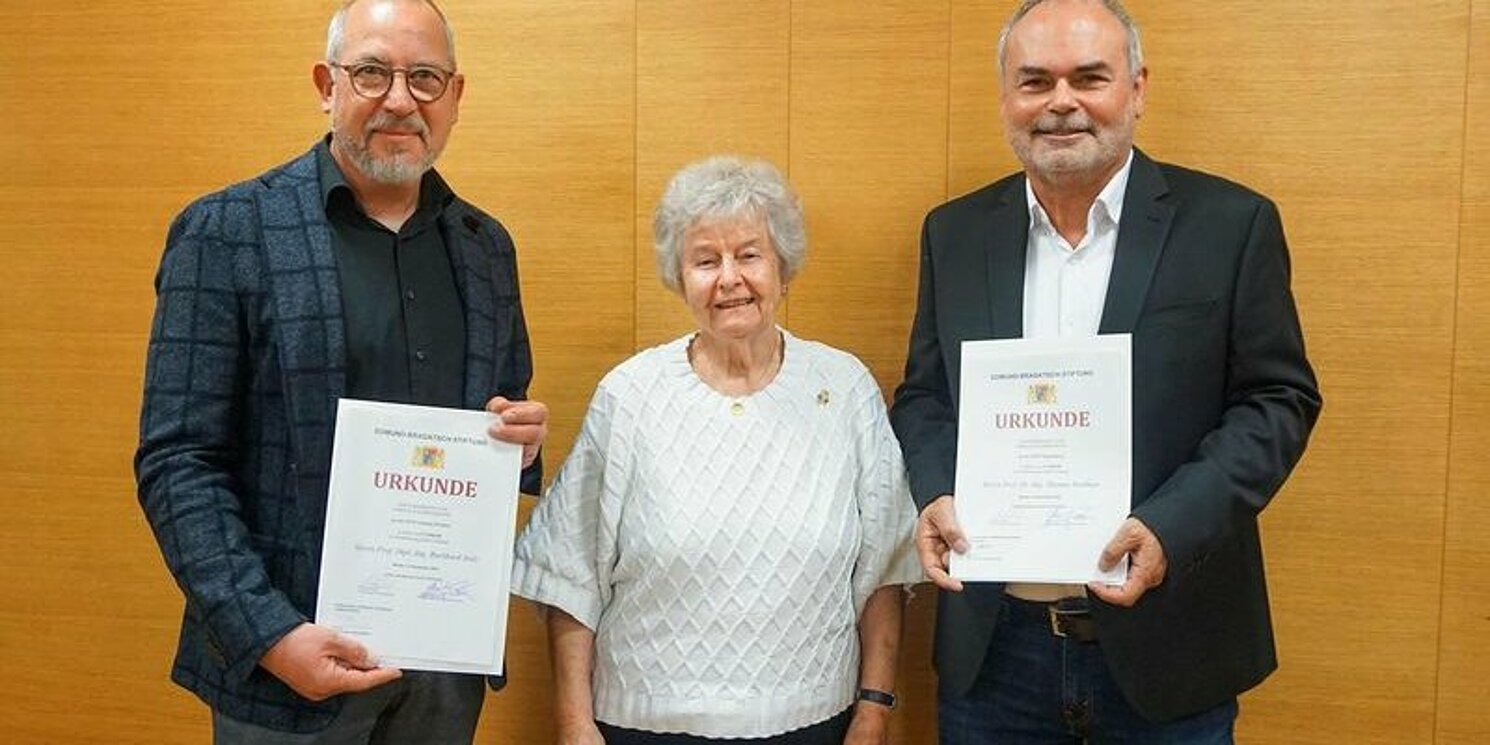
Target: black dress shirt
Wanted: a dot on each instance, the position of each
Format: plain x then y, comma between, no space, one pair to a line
406,327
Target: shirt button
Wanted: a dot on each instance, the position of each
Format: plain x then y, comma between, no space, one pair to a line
420,355
409,295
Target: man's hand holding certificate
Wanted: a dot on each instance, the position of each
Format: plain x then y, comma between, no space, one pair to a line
419,528
1043,458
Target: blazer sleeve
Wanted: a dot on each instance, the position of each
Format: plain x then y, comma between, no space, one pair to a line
1272,402
189,450
922,414
514,346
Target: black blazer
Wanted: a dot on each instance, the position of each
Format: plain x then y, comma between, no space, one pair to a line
247,360
1223,402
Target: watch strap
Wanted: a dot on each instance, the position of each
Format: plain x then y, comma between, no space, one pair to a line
883,698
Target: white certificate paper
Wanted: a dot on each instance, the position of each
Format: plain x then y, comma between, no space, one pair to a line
417,557
1044,457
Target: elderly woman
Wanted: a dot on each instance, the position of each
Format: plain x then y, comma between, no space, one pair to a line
723,552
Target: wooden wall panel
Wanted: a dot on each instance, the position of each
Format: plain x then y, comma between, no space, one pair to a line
977,153
134,113
711,79
1352,117
1464,648
869,164
547,142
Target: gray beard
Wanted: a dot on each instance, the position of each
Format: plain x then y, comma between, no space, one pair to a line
395,170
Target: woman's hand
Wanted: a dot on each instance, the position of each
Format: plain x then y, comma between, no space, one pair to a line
870,725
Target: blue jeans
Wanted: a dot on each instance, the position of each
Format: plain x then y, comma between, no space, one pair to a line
1035,687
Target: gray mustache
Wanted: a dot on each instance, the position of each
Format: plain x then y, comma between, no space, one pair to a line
1062,126
413,123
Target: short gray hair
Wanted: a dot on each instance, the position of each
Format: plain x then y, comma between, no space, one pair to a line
338,26
1115,7
727,186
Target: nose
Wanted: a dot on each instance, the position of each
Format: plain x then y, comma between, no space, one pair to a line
1062,98
729,272
400,100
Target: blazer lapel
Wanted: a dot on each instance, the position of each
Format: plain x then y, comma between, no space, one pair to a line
1140,242
1007,253
473,277
304,299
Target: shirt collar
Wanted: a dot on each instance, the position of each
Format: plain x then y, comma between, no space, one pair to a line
1108,208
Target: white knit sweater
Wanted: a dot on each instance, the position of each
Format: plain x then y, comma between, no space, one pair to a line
723,548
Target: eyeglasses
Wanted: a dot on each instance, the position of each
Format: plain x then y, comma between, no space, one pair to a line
373,80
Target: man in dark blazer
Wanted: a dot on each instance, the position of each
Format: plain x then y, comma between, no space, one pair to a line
352,271
1094,237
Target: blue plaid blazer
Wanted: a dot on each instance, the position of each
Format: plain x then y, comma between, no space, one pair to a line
245,365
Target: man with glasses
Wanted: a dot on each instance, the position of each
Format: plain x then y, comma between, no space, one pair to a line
353,271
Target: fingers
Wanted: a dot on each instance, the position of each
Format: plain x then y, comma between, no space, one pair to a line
940,578
946,524
518,422
937,535
1124,541
354,681
1124,595
1146,564
350,652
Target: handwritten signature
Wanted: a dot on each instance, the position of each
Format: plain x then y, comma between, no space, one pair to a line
1066,517
447,592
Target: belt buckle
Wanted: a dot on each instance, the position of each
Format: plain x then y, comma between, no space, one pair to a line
1053,612
1058,612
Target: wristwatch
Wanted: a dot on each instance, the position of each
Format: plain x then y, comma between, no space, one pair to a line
877,697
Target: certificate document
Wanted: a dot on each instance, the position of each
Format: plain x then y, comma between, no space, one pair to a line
1044,457
417,557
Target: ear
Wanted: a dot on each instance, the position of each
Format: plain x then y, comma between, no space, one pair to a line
1140,90
457,89
323,79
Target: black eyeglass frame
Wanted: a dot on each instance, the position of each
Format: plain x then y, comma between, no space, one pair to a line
445,76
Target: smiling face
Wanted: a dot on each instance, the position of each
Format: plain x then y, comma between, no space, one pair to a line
1069,102
731,277
393,139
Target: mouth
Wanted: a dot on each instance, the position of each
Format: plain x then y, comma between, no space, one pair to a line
734,303
399,134
1062,135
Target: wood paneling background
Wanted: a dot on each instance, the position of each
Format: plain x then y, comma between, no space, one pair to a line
1364,121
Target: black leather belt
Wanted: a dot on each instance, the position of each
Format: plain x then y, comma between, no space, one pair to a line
1070,618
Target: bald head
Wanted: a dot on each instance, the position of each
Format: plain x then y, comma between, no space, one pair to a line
337,30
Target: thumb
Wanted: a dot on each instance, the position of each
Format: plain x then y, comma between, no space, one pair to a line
947,525
1115,550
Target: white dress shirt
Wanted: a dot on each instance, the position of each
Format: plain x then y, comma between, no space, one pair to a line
1065,288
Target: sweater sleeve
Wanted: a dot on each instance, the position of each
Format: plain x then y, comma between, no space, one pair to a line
562,558
887,515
